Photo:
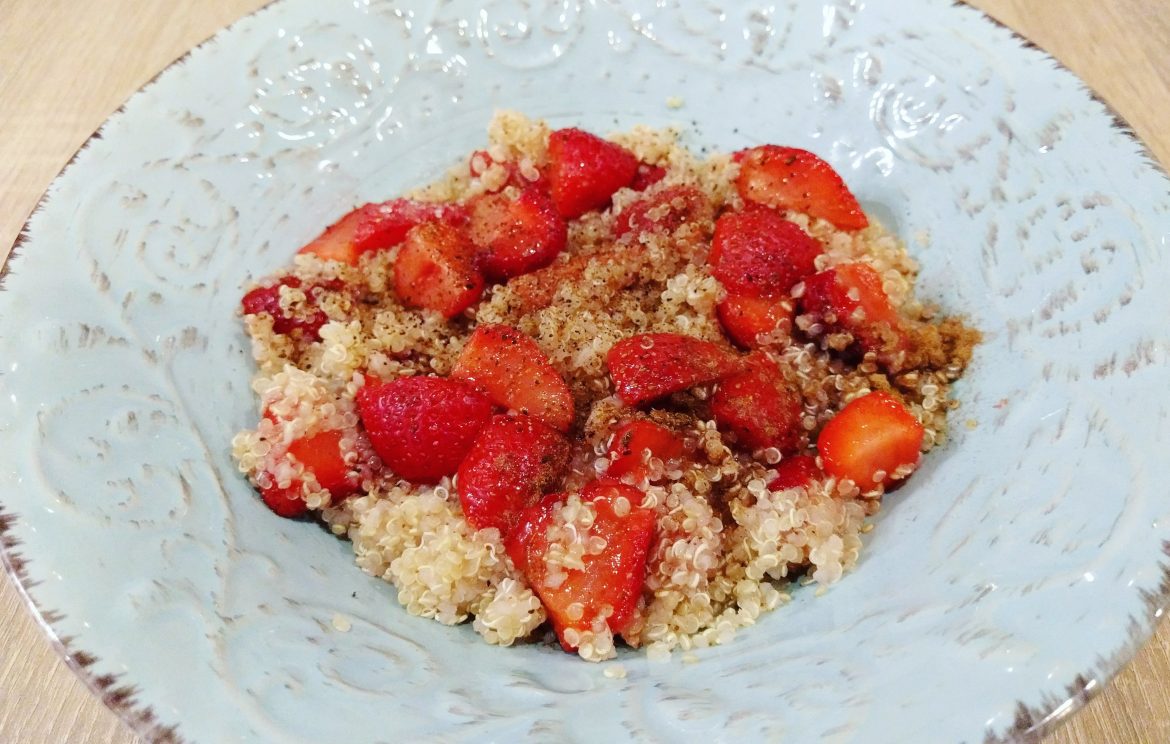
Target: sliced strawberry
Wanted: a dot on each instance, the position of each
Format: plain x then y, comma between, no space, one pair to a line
870,440
796,471
635,443
611,581
336,243
516,236
513,462
436,270
515,373
758,252
651,365
285,502
584,171
481,161
527,543
647,176
760,408
789,178
321,455
746,318
385,225
664,212
422,427
536,290
267,300
850,297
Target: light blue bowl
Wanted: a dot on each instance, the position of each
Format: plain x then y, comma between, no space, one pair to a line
1005,584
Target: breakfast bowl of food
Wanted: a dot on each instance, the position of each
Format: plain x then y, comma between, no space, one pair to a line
583,371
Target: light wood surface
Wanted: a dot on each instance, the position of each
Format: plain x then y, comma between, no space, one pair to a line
65,65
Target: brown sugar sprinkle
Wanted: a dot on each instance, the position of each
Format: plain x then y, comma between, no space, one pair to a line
726,548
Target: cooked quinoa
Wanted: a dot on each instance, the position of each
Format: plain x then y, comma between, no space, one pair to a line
726,548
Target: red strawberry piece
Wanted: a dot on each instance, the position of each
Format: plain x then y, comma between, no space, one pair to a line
850,297
746,318
611,581
758,252
647,176
870,440
651,365
385,225
664,212
527,543
435,269
536,290
285,502
267,300
789,178
635,443
481,161
515,373
760,408
321,455
422,427
513,462
336,243
796,471
516,236
584,171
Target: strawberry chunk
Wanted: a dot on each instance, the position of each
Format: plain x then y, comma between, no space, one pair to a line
790,178
321,456
760,408
746,318
516,236
759,253
635,443
374,227
336,242
513,462
872,441
664,212
385,225
536,290
584,171
647,176
436,270
422,427
796,471
285,502
850,297
267,300
481,162
651,365
611,581
512,370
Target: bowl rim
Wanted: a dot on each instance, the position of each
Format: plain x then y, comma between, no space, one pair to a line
1031,722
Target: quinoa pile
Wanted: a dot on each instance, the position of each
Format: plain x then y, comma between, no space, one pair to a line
727,546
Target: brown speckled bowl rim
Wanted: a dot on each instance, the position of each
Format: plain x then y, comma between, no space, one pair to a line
1030,725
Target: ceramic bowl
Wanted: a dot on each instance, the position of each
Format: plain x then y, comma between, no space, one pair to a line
1007,582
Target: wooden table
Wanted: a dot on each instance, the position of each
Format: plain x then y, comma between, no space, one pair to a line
65,65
